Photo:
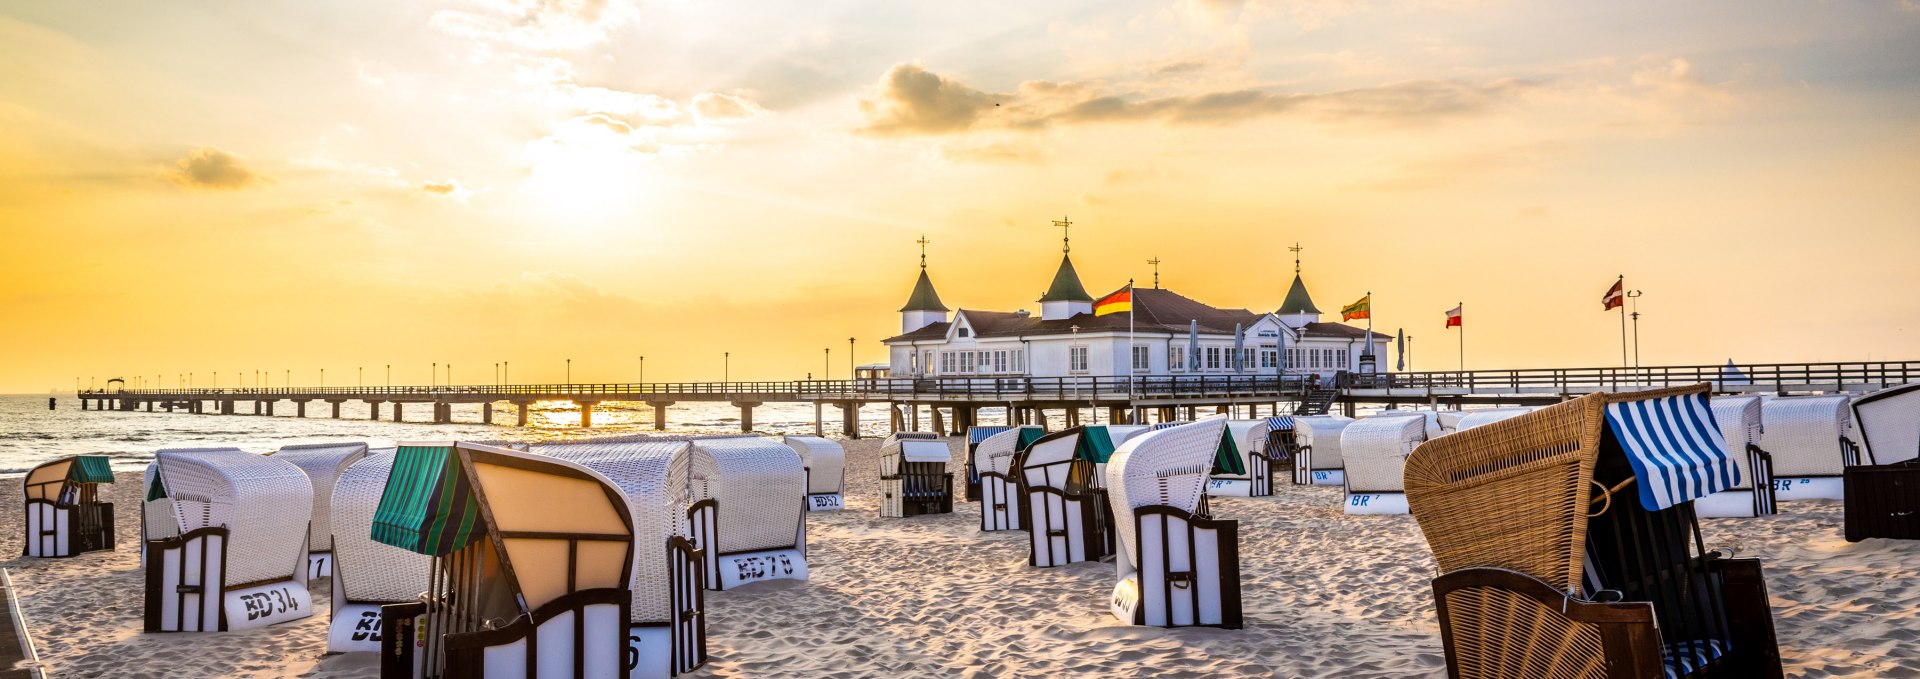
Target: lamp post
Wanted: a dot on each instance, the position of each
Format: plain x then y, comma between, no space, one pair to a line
826,365
1409,353
433,375
569,372
323,378
360,376
389,374
726,367
506,376
449,375
1635,297
851,372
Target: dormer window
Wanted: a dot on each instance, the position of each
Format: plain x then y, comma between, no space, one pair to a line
963,332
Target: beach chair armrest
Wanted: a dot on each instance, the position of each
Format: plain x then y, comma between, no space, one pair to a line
1490,618
1749,618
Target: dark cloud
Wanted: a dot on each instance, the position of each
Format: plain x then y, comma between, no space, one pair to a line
210,168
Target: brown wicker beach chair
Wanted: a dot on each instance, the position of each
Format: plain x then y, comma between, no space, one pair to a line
1568,546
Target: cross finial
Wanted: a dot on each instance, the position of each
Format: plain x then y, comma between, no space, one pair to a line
1156,271
1296,257
1066,241
923,251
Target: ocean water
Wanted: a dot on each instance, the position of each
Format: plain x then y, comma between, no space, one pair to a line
31,434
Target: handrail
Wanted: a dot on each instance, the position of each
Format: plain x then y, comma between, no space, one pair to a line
997,386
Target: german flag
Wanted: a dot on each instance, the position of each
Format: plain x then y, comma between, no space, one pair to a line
1114,303
1360,309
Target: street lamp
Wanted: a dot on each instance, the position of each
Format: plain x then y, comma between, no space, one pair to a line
851,372
726,367
826,368
1635,296
323,378
569,372
389,374
505,377
449,375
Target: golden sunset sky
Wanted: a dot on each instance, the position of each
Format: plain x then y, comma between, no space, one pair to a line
240,186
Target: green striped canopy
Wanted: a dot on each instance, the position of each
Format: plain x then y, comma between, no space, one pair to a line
156,490
1096,445
90,469
1027,436
428,506
1227,459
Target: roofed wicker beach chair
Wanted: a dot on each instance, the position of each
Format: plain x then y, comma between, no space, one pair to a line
1248,439
994,460
1178,566
1807,438
225,541
974,436
323,463
913,475
667,629
1281,444
1740,426
1481,418
1375,451
367,575
64,514
826,465
1883,481
531,558
1316,459
1568,547
748,516
1066,496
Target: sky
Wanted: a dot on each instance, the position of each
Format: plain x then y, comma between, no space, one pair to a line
737,188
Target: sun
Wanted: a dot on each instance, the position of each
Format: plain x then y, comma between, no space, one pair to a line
590,169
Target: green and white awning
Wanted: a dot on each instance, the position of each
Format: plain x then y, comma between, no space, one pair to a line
1096,445
428,506
90,469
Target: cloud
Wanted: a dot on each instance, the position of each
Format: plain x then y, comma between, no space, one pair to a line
717,107
210,168
915,101
449,188
1005,151
538,24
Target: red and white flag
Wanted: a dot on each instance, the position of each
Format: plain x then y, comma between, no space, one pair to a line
1453,317
1615,296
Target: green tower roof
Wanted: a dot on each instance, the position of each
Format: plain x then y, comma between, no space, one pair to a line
1298,302
1066,285
924,298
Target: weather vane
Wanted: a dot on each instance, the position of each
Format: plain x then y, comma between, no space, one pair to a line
1296,257
923,251
1066,244
1156,271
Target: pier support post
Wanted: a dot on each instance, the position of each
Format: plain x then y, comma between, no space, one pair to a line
850,414
746,414
300,409
521,419
819,427
373,411
486,413
586,413
895,418
336,407
660,414
913,416
149,406
396,412
1073,417
83,405
938,423
270,409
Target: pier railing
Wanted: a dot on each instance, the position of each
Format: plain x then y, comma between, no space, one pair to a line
1749,377
900,388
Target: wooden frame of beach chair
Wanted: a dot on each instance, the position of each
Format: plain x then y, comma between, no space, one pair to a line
1177,565
1316,456
975,435
749,516
913,475
1065,498
1375,451
367,575
64,515
1590,497
1248,439
667,631
323,463
532,556
1741,425
826,466
1807,439
995,463
1883,479
225,541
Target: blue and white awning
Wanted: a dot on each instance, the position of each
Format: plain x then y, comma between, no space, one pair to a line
1281,423
1675,447
1164,425
978,434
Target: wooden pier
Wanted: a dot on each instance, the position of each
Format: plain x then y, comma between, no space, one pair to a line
954,403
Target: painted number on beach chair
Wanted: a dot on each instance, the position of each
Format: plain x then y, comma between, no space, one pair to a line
1322,476
825,501
756,567
368,627
1360,500
270,602
633,652
1787,484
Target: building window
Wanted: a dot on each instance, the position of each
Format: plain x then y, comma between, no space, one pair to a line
966,361
1341,355
1000,361
1140,361
1077,359
1213,358
1019,360
1176,358
963,332
946,362
1269,358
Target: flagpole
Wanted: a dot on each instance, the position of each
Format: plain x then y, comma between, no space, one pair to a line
1132,344
1375,359
1622,283
1462,306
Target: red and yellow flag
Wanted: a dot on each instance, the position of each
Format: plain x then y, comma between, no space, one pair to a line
1360,309
1114,303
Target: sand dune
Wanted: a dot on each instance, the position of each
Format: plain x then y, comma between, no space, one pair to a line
1326,595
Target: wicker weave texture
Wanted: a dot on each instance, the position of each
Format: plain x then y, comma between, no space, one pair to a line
1739,420
1498,634
1803,434
1323,433
826,462
1376,450
1889,423
369,571
893,450
762,492
1165,467
1479,418
995,453
264,503
322,463
654,476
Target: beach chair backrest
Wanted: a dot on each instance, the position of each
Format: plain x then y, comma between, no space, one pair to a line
1375,450
761,490
1322,432
825,460
995,453
264,503
654,480
323,463
1048,461
1803,433
1479,418
1167,467
368,571
1889,424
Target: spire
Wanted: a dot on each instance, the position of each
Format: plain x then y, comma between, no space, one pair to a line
1066,285
1297,301
924,298
1066,239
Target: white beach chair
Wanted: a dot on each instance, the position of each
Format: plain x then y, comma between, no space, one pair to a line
1317,459
760,532
226,541
667,632
974,436
1807,437
994,460
1888,422
64,515
1065,498
1740,423
1375,451
913,475
531,561
322,463
826,465
1883,479
1247,440
1481,418
1177,565
367,575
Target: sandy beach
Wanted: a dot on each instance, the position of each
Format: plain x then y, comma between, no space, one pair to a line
1325,594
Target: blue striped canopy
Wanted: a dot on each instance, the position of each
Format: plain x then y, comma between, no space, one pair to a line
978,434
1675,448
1281,423
1164,425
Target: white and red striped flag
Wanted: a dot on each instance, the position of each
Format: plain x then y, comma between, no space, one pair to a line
1453,317
1616,295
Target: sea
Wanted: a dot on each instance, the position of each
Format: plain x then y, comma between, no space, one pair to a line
30,433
